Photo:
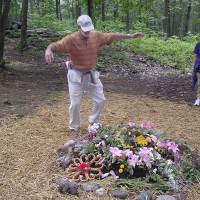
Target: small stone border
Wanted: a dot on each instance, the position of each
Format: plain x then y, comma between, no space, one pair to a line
66,186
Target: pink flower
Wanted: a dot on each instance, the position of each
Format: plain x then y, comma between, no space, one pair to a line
128,153
93,128
134,160
116,152
164,145
154,138
146,156
146,125
131,124
144,152
151,138
174,147
148,139
124,129
167,144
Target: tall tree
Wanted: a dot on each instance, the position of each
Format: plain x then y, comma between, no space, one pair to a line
103,11
31,6
190,15
23,39
4,9
58,10
181,28
90,8
78,10
166,20
116,10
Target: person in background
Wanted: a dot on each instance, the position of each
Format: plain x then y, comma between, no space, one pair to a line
82,47
196,72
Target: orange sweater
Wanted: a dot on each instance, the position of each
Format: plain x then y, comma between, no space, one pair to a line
82,51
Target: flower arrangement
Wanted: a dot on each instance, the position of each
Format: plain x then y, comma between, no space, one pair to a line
139,151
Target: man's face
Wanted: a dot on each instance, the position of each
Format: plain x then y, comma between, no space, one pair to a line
85,34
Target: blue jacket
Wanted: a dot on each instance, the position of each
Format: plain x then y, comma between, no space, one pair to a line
194,74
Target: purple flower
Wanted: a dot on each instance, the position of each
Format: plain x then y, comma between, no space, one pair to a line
134,160
181,180
116,152
180,168
128,153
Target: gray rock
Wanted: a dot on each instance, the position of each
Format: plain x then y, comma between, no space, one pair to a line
65,186
70,143
118,194
7,102
100,192
90,187
144,196
66,148
165,197
64,161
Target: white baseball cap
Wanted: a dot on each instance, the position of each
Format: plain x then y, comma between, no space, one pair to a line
85,22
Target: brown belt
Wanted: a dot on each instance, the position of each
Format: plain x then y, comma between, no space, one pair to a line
91,72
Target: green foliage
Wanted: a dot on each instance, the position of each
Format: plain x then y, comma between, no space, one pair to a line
110,26
49,21
111,55
172,52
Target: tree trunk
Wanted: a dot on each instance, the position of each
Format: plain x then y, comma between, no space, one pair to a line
4,9
90,8
78,11
31,6
23,39
181,29
103,11
127,20
190,15
58,10
166,21
172,21
116,14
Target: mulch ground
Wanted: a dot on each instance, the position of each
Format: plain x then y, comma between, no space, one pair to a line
28,145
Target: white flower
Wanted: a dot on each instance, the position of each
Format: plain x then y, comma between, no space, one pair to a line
155,170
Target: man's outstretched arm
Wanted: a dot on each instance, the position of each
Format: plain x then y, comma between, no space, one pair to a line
119,36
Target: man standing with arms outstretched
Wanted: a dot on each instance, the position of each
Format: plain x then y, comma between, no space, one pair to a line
82,47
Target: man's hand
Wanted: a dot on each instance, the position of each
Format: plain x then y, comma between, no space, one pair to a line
49,56
137,35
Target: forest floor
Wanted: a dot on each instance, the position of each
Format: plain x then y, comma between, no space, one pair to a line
34,114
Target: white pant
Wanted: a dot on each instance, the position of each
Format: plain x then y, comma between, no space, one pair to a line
79,82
